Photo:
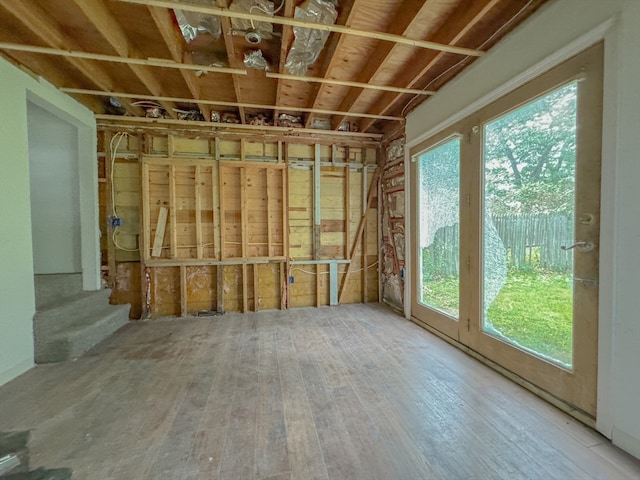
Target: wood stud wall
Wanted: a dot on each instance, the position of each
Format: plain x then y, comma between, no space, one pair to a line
229,224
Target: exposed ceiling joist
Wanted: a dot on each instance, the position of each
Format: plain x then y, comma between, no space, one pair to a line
221,12
104,21
175,43
165,63
256,106
231,55
285,44
333,48
383,57
38,21
467,17
400,25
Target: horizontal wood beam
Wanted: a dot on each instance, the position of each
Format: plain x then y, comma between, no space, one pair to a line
151,62
80,91
222,12
348,83
319,262
118,121
199,263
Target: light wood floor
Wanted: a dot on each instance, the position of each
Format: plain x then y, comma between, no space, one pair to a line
353,392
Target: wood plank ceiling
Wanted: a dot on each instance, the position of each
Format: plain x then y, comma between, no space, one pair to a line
382,58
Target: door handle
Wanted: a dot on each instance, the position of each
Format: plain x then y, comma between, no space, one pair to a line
582,246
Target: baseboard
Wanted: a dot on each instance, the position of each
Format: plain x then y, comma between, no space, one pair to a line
16,370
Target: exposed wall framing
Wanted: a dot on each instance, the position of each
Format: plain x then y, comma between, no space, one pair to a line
214,224
392,243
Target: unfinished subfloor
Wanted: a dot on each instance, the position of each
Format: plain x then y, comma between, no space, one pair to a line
352,392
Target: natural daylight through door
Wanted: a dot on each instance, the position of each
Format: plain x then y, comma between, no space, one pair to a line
439,180
529,196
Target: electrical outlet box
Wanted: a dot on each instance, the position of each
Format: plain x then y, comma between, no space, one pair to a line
291,279
115,222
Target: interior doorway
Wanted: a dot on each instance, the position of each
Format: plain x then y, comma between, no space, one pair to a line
55,197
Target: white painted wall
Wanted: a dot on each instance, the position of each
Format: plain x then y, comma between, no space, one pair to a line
558,28
55,198
17,303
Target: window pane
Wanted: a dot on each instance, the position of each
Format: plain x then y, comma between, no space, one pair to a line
439,191
529,165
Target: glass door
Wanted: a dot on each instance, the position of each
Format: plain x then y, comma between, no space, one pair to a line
513,200
529,157
437,289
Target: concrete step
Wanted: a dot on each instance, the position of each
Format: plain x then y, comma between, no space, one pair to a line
59,337
56,289
60,314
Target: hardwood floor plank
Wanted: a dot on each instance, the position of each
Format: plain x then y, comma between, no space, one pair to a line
272,456
349,392
305,454
238,456
223,352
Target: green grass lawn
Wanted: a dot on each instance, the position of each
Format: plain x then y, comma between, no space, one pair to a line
533,310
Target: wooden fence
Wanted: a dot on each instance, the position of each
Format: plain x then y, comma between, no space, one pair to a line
535,240
531,240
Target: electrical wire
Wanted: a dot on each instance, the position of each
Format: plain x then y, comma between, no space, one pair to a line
308,272
266,11
464,59
117,139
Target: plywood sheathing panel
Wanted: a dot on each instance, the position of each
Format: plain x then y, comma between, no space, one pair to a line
126,288
165,291
300,213
201,289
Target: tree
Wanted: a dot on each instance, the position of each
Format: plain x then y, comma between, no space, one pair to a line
529,155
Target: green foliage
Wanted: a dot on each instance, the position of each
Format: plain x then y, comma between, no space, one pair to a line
443,295
530,155
440,169
533,310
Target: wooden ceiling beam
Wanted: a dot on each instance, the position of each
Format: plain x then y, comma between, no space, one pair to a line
175,44
36,19
111,30
348,83
118,121
285,44
150,62
80,91
222,12
234,61
334,45
408,13
465,18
